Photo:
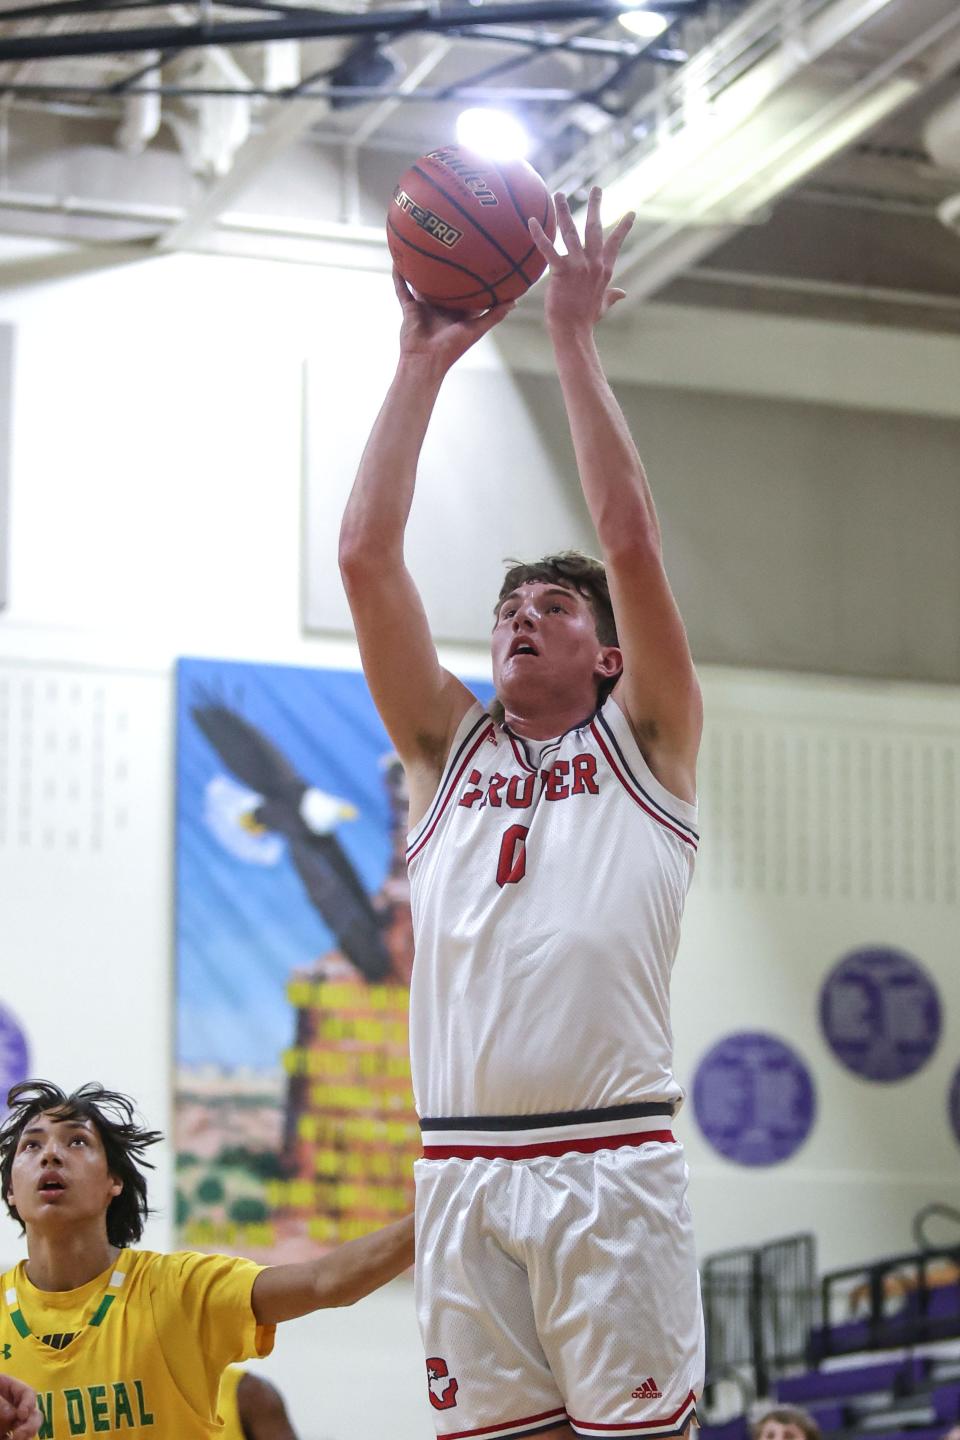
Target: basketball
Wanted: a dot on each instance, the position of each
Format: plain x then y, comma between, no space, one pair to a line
457,228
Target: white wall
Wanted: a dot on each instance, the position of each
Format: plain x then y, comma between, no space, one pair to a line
155,511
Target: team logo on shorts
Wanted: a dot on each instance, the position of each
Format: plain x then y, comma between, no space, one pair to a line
648,1390
442,1387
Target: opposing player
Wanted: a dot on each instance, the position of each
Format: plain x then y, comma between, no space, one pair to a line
551,849
251,1408
115,1339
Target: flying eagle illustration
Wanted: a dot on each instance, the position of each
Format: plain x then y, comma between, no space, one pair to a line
284,804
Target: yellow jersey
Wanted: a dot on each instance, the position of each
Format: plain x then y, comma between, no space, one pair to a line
229,1406
138,1351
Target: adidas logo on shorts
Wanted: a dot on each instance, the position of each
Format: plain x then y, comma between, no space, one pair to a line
649,1390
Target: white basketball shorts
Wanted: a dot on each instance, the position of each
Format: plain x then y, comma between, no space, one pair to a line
559,1288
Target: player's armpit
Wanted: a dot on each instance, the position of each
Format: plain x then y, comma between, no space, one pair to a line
658,690
347,1274
419,701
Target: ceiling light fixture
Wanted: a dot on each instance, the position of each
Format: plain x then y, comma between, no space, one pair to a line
648,24
496,133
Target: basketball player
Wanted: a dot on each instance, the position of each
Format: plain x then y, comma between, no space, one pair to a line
20,1417
551,849
116,1340
251,1408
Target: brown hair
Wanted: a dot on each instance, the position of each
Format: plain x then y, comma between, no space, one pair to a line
788,1415
574,571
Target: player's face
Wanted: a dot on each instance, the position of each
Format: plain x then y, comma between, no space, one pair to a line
780,1430
60,1174
545,642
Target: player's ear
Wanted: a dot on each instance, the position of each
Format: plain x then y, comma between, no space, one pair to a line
610,662
116,1186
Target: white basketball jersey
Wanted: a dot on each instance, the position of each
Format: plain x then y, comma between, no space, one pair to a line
547,884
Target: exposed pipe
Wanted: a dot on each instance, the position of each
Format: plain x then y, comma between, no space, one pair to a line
164,215
315,25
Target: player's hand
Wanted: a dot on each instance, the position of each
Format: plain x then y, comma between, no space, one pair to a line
20,1417
579,292
441,335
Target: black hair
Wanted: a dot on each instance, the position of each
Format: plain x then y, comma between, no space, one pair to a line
124,1141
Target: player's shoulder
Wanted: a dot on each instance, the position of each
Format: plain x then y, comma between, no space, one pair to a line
180,1267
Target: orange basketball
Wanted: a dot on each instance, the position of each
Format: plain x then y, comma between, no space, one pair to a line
457,228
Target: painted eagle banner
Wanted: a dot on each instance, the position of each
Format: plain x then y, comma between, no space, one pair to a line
294,1119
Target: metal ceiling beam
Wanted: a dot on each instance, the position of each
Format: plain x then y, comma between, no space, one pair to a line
57,9
576,44
722,183
431,17
519,95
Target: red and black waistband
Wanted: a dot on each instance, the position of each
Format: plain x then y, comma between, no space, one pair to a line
525,1137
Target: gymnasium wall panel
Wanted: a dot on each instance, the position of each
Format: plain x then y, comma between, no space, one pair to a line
829,816
797,536
85,885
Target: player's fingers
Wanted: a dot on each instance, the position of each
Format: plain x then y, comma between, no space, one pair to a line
613,297
544,245
566,223
28,1429
491,317
593,228
403,290
619,233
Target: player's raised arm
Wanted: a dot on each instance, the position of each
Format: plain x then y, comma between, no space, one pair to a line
658,689
345,1275
420,702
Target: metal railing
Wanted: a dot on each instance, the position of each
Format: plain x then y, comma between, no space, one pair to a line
903,1300
759,1310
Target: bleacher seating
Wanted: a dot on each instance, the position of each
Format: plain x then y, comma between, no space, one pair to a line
914,1398
890,1374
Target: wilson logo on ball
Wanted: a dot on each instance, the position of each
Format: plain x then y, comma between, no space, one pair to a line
441,230
452,157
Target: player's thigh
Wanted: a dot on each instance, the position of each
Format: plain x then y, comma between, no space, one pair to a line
486,1369
617,1295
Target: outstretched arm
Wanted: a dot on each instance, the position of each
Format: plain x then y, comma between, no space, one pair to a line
658,689
345,1275
420,703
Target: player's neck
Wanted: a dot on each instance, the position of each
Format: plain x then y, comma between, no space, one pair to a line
547,722
67,1259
